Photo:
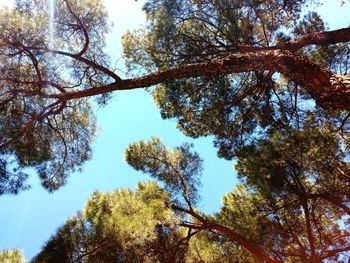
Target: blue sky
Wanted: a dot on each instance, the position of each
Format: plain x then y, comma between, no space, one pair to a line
28,219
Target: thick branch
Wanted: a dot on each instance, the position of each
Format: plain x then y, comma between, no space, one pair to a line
320,38
329,90
309,229
333,252
315,38
227,232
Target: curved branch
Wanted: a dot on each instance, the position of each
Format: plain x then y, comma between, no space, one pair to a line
86,35
329,90
81,59
205,224
315,38
320,38
333,252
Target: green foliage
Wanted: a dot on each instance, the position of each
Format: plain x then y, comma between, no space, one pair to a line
300,178
312,156
289,207
51,135
184,31
292,156
40,64
134,226
236,108
54,147
11,183
11,256
210,248
241,213
293,196
122,226
179,169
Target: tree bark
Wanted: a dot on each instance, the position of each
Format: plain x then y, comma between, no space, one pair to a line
229,233
330,91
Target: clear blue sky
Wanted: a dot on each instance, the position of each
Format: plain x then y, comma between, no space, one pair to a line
28,219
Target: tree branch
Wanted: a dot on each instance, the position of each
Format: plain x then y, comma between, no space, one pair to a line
320,38
227,232
328,89
82,27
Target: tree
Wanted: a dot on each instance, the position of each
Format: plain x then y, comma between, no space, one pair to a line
122,226
303,179
255,224
144,225
179,170
295,193
238,70
11,256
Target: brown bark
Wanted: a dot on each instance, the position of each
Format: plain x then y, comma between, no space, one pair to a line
320,38
240,240
333,200
330,91
309,230
333,252
315,38
207,225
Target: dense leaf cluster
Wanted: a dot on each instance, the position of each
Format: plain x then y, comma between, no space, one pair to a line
293,196
236,108
11,256
37,130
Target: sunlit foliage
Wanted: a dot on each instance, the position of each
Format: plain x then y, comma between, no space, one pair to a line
11,256
288,208
238,70
240,107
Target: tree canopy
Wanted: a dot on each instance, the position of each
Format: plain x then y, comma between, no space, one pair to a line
267,79
237,70
261,220
11,256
